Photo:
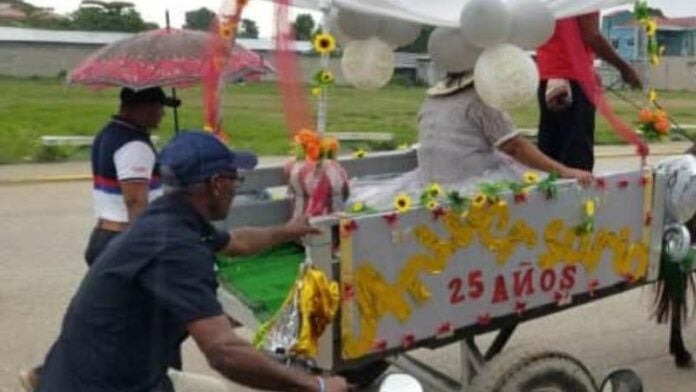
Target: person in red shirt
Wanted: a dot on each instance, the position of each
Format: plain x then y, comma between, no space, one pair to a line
566,65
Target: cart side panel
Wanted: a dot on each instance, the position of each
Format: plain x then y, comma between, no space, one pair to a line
427,275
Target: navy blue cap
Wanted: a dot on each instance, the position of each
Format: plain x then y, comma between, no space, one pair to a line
195,156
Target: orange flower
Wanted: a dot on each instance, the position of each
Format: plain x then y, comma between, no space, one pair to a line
329,144
306,136
313,150
662,126
645,116
659,115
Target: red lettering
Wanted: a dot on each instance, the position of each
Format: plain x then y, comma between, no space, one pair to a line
524,285
476,286
568,277
456,285
548,280
500,294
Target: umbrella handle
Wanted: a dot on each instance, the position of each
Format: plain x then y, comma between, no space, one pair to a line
176,113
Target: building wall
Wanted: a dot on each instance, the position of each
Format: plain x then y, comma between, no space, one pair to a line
40,59
675,73
626,41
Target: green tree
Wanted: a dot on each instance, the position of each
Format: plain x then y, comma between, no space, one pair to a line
199,19
304,27
249,29
108,16
421,44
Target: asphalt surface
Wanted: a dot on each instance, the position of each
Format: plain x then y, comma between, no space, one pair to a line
43,232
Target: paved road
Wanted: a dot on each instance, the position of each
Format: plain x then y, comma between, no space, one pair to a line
45,226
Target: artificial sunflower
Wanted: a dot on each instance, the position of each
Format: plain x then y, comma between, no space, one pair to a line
531,178
432,205
316,92
403,203
651,27
652,95
359,153
479,201
326,77
434,191
358,207
590,208
324,43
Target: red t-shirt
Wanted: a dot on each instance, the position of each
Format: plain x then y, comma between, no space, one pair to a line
555,62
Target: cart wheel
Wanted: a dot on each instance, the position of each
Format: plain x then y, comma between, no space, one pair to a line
365,375
534,370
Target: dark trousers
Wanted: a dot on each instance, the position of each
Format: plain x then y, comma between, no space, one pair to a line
567,135
98,241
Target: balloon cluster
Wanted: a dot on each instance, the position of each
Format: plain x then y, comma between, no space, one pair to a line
491,41
369,42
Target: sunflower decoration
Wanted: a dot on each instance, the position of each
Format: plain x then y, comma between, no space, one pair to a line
358,207
324,78
324,43
432,205
587,225
360,153
434,191
403,203
479,200
316,92
531,178
226,30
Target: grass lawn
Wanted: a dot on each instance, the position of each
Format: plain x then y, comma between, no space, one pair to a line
30,108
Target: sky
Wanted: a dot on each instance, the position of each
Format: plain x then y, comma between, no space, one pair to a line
262,11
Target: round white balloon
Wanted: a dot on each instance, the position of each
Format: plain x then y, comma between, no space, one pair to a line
486,23
451,51
397,33
680,197
357,25
532,23
368,64
506,77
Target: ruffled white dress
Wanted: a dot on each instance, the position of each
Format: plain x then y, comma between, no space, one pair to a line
458,140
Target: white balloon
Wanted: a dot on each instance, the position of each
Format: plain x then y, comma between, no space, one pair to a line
506,77
680,197
357,25
332,24
486,23
397,33
368,64
532,23
451,51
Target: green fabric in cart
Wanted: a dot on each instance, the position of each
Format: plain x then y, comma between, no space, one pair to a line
262,281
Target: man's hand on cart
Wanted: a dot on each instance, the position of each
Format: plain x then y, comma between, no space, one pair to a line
299,227
335,384
585,178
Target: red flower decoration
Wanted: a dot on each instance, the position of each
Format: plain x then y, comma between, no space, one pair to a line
380,345
520,198
438,213
558,296
592,286
350,227
648,218
644,181
391,219
444,329
629,278
348,291
484,320
601,183
520,307
408,341
623,184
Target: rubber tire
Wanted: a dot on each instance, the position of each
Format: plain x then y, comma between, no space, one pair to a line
365,375
534,370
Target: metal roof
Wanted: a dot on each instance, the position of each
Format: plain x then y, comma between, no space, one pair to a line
16,34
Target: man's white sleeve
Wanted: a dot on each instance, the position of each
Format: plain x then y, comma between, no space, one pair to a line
134,161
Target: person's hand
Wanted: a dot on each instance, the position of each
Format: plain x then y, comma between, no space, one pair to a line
585,178
299,227
336,384
630,76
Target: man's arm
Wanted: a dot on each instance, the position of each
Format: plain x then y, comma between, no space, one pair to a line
592,35
248,241
240,362
136,197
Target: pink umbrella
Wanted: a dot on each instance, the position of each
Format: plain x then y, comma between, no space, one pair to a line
165,57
